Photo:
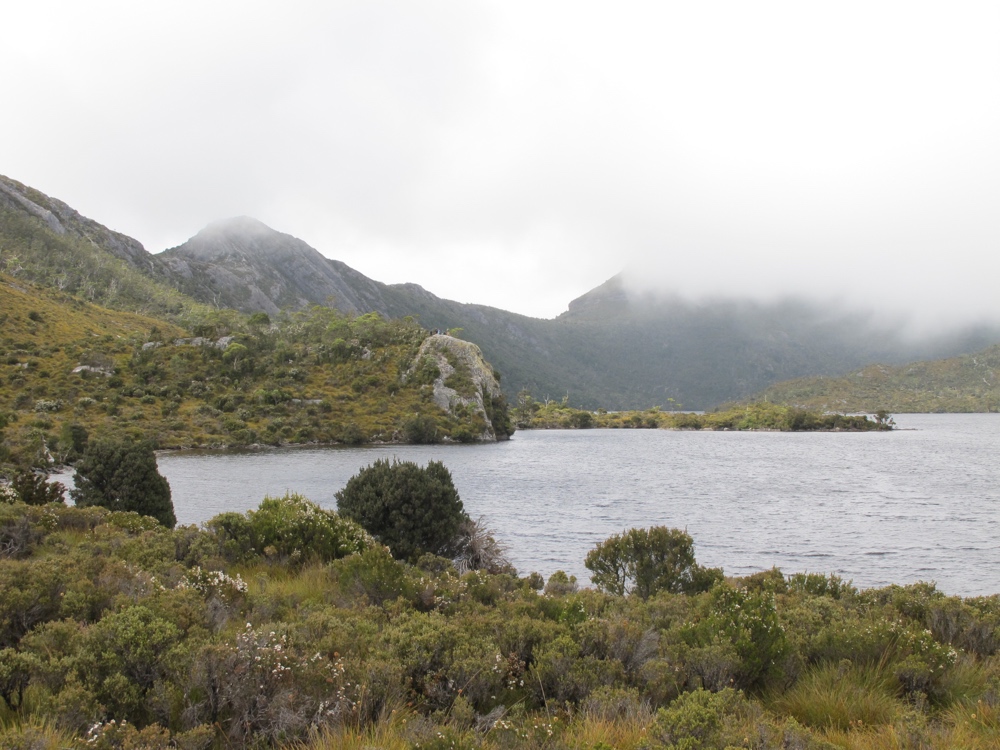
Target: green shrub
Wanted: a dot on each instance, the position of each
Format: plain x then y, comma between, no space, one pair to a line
821,585
561,584
411,509
644,561
421,429
748,621
124,657
373,575
563,673
702,719
122,475
33,489
290,528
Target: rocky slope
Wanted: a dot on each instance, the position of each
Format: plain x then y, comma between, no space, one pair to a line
65,221
45,241
244,264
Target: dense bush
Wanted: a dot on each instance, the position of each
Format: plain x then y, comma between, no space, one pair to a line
121,474
412,509
118,633
35,489
645,561
288,529
421,429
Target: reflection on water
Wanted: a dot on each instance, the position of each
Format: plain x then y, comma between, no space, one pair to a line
917,504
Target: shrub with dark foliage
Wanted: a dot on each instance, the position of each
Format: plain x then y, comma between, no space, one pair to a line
411,509
35,489
122,475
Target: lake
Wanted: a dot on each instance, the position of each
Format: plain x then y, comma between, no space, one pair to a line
919,503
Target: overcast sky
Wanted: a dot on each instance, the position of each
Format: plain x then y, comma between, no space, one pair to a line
518,154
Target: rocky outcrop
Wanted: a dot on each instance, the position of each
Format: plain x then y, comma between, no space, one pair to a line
244,264
465,382
65,220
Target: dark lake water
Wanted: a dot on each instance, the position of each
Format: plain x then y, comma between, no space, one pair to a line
920,503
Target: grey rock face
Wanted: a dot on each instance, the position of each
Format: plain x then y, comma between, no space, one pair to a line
470,360
62,219
244,264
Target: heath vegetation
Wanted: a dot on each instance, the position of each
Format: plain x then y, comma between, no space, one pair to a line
70,370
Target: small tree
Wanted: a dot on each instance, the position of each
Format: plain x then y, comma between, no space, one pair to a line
421,429
34,489
411,509
884,420
644,561
122,475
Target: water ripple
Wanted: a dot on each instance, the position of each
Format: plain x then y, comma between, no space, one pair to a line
876,508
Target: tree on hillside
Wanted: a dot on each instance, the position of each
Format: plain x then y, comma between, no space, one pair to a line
411,509
122,475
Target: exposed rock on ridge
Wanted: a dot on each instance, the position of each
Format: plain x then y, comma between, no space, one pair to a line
478,381
244,264
63,220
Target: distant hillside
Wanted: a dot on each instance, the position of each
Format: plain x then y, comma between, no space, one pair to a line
611,349
69,368
968,383
45,241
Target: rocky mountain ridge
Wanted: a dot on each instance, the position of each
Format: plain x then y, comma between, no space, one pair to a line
244,264
64,220
611,348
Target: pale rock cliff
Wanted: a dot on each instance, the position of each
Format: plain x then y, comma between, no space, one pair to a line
452,355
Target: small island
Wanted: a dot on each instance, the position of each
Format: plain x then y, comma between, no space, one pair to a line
548,415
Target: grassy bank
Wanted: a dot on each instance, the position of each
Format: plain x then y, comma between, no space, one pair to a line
71,369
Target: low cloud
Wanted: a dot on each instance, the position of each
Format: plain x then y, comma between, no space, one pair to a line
519,154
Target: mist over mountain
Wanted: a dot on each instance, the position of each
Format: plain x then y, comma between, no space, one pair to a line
615,347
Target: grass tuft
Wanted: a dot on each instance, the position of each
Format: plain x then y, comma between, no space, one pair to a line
843,697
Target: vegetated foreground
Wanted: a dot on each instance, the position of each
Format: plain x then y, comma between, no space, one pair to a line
292,626
531,414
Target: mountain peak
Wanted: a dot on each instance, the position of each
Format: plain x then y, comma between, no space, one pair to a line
239,225
243,263
609,296
240,236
